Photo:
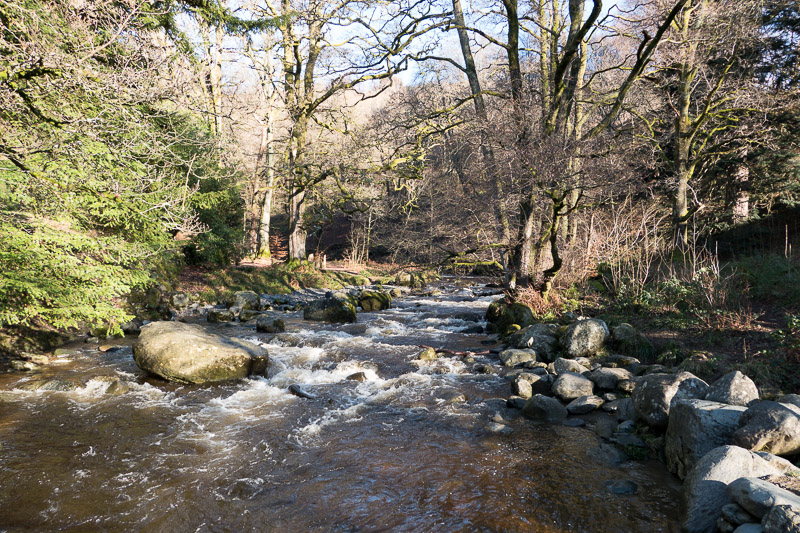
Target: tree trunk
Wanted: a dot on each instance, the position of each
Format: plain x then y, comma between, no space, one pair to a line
480,111
297,235
741,202
523,249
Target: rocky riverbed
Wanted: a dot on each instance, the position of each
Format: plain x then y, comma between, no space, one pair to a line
411,418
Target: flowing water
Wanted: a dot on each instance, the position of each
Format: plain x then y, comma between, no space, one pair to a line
415,446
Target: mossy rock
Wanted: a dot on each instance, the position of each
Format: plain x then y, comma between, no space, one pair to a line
374,300
339,308
428,354
501,316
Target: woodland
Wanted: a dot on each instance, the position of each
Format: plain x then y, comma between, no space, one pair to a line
646,150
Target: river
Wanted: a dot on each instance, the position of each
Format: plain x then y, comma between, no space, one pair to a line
413,446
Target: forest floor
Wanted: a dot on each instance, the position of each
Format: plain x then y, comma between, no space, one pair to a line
762,341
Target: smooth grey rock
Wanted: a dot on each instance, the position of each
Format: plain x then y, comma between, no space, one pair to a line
793,399
186,353
568,365
757,496
609,378
695,428
735,515
703,494
782,519
569,386
574,422
626,410
733,388
657,393
540,338
621,486
544,408
584,405
585,338
770,426
514,357
522,387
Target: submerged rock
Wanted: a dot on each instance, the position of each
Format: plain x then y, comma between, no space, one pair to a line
187,353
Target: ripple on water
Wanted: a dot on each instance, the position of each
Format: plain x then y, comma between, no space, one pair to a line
399,450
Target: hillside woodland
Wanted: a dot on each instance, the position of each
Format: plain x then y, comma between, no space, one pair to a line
639,159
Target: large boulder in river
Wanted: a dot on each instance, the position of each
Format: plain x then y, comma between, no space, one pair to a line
695,428
501,315
540,338
569,386
703,494
244,300
770,426
187,353
374,300
655,395
584,338
335,307
544,408
733,388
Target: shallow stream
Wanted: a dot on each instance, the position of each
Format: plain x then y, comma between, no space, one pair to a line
415,446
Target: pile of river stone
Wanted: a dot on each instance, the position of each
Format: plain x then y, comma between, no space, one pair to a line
728,446
317,305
